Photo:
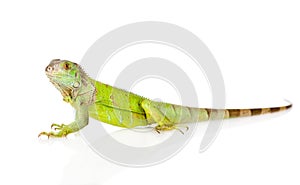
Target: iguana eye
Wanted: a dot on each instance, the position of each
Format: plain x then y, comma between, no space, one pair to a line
66,66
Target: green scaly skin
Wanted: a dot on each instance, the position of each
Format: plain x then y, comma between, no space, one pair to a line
114,106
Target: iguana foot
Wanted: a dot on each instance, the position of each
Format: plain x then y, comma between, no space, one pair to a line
160,128
64,130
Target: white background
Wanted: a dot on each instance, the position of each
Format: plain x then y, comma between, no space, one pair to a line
256,45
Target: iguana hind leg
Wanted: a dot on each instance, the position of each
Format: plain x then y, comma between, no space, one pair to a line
152,111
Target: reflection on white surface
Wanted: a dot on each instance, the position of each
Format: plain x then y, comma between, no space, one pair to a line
140,137
79,164
86,167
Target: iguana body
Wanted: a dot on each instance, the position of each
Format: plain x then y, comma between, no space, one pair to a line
117,107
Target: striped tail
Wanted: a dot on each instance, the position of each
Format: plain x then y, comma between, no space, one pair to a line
235,113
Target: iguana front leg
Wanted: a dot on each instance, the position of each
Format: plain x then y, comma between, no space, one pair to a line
81,120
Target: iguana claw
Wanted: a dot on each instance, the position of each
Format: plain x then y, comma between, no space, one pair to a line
44,133
53,134
57,126
186,127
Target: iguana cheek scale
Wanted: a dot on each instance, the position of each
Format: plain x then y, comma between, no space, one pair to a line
121,108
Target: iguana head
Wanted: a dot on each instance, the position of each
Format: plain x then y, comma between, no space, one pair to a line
69,78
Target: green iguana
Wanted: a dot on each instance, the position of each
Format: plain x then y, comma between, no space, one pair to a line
118,107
